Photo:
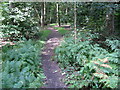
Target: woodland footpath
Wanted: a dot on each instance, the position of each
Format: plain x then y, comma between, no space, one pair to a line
59,45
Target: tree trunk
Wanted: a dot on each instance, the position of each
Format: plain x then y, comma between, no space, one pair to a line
42,14
37,13
66,13
58,15
11,4
75,18
110,21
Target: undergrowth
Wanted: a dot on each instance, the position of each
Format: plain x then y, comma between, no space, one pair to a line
21,65
43,34
87,64
61,30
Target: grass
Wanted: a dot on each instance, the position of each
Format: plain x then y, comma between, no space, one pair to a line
58,28
61,30
44,34
53,24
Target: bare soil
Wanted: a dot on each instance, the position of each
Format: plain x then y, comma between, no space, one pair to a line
51,69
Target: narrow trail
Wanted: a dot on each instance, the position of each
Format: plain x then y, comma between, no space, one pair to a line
50,67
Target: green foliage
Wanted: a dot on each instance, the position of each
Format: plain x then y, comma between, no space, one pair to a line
22,19
18,21
54,24
21,66
63,32
85,59
43,34
87,64
114,44
58,28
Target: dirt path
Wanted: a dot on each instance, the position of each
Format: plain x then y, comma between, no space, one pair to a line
51,69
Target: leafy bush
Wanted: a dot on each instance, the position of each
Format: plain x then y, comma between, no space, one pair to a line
21,67
87,64
19,21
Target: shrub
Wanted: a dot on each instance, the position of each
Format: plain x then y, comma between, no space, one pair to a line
18,22
87,64
21,66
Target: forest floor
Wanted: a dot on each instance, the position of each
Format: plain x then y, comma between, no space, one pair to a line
51,69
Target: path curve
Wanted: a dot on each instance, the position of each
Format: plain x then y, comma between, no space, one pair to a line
50,67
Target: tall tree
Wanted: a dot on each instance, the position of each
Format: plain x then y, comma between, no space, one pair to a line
42,14
58,14
110,20
37,12
75,19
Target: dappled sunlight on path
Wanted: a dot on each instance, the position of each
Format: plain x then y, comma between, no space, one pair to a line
51,68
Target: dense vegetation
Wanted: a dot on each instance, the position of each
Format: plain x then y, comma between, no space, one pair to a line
87,63
21,65
89,54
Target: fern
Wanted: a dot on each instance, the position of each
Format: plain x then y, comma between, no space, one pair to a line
93,64
21,66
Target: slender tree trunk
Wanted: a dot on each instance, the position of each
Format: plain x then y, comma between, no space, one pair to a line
110,21
37,13
50,19
66,12
58,15
11,4
42,14
75,19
